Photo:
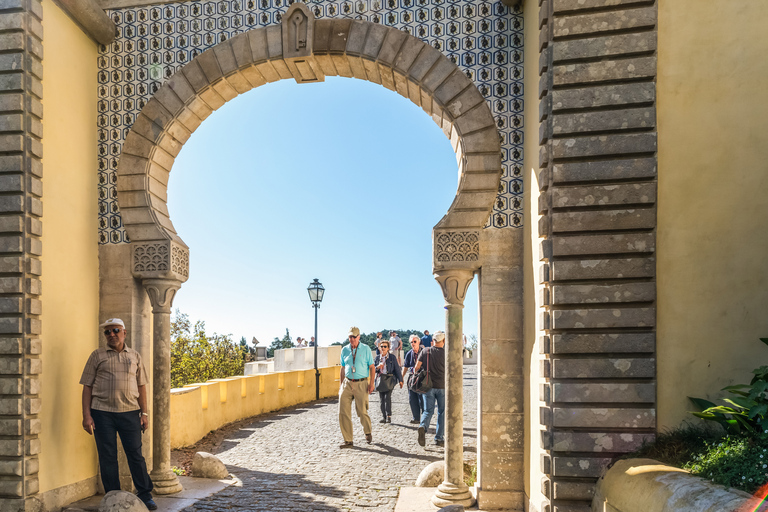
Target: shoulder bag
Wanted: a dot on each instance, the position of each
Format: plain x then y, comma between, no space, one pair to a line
421,382
385,381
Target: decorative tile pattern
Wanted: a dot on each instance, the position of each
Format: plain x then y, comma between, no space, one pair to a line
485,39
455,246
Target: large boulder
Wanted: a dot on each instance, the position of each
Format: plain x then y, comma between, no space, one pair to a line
206,465
432,475
121,501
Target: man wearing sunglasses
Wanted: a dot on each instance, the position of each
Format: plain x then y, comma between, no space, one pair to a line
115,402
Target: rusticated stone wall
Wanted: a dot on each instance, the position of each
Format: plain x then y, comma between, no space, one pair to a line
21,131
598,204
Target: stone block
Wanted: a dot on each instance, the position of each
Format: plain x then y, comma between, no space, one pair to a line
423,63
603,268
10,427
241,50
10,305
603,244
374,41
502,358
604,220
499,469
206,465
607,392
603,294
339,35
11,82
11,467
225,57
501,322
10,386
503,432
432,475
570,490
603,343
10,326
614,442
607,46
356,39
603,417
604,70
559,6
11,447
437,74
393,41
11,244
585,467
603,195
604,145
604,120
11,143
502,394
603,318
11,406
604,368
257,40
9,346
409,51
600,22
274,41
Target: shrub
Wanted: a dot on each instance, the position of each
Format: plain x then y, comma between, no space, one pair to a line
197,357
746,410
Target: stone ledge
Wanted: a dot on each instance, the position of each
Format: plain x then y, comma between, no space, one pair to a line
646,485
91,18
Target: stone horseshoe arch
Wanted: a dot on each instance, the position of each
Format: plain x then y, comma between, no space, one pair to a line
307,51
327,47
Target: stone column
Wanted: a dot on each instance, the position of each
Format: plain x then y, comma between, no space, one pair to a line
453,490
161,293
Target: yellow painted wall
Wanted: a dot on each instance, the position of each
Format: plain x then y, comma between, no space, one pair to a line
531,255
712,243
70,259
198,409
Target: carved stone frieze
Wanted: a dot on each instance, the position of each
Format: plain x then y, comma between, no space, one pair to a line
456,249
160,259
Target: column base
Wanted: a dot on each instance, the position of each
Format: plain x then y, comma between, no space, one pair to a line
165,482
452,494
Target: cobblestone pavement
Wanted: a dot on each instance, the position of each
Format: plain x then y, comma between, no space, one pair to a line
290,460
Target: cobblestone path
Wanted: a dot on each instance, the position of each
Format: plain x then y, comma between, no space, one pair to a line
290,460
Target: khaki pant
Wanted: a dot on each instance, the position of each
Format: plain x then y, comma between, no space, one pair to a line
359,392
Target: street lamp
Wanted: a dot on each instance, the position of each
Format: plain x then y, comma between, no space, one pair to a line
316,291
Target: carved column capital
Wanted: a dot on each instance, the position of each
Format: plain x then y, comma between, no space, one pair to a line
161,293
454,284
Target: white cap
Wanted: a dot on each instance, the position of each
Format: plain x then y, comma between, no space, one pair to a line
113,321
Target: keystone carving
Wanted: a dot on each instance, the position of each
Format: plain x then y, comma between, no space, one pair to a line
298,36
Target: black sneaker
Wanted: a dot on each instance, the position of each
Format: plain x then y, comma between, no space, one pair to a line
440,443
422,436
150,504
413,422
383,421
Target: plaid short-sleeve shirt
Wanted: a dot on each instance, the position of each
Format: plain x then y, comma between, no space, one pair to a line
115,378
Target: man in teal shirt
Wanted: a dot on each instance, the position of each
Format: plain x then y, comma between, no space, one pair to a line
356,383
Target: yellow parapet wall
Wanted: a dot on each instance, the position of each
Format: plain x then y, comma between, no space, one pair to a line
197,409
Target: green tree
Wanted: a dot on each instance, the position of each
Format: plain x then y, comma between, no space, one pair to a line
278,343
198,357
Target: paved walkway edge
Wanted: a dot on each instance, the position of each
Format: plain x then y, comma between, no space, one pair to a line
417,499
194,489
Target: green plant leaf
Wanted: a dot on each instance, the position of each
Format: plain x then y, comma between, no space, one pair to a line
701,403
743,403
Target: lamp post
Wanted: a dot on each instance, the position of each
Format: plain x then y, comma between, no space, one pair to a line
316,291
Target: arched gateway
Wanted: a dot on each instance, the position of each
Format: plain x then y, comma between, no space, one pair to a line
306,50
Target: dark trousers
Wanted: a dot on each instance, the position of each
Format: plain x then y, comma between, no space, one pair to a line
386,403
128,425
416,401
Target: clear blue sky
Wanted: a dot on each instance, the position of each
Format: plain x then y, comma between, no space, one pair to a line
340,181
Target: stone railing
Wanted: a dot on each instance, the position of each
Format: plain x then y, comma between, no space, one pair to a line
197,409
646,485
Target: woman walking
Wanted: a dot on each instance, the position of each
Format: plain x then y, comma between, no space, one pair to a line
386,364
415,400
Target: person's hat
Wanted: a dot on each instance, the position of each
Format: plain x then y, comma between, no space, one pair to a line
354,331
439,336
113,321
